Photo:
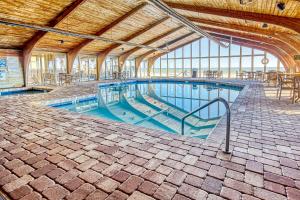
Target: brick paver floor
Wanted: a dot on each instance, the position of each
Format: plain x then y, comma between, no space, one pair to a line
46,153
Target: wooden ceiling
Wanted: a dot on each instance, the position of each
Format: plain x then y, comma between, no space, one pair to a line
138,22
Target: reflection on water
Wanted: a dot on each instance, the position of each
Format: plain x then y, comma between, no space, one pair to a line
183,96
160,105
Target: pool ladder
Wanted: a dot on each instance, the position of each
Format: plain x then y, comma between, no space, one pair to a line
227,122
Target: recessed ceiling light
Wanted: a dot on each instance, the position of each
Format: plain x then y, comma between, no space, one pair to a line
280,6
265,25
246,2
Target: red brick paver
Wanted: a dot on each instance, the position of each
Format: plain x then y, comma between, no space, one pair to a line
47,153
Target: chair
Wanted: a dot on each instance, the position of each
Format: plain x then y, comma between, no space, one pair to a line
209,74
284,84
92,77
115,75
77,77
259,75
296,88
272,77
239,75
68,79
35,80
219,74
61,78
251,75
48,78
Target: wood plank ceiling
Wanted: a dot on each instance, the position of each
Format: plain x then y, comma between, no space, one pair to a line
138,22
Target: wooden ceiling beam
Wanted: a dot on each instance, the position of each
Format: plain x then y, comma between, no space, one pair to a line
136,34
30,44
125,55
102,55
72,54
54,22
287,22
284,37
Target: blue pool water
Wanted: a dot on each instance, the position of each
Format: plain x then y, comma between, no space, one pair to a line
21,92
158,105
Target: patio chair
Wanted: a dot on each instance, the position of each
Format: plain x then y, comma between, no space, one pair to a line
61,78
250,75
92,77
296,88
219,74
76,77
284,84
35,80
239,75
209,74
272,77
48,78
259,75
68,79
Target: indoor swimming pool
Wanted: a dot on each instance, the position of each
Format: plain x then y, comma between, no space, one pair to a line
158,105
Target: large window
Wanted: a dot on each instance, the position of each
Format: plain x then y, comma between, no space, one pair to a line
273,64
156,68
224,66
164,67
129,68
203,55
142,71
84,67
50,68
109,67
45,67
235,67
246,63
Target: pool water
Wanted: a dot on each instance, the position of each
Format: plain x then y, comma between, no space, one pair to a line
21,92
159,105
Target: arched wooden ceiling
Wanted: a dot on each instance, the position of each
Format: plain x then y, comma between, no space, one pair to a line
229,17
138,22
257,45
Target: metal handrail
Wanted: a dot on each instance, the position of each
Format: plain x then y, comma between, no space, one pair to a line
227,124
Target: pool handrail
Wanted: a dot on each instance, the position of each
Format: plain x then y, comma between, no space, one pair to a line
228,113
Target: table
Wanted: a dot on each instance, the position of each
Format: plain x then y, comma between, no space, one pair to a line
65,78
249,75
48,78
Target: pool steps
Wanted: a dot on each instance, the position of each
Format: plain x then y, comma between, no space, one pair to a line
171,122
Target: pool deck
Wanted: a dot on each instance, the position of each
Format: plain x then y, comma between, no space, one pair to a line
47,153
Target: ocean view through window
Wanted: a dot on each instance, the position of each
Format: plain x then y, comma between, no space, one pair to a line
203,55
